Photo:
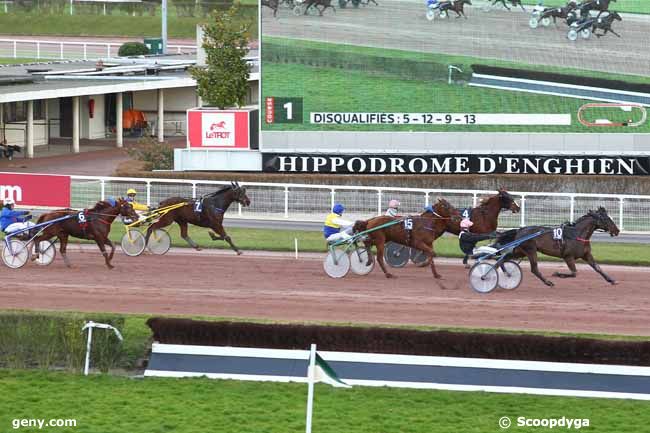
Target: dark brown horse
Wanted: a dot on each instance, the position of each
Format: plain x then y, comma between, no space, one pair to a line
605,24
457,6
315,3
417,231
574,243
512,2
272,4
485,216
94,224
207,211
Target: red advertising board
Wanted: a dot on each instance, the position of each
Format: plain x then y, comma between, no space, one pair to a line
221,129
35,189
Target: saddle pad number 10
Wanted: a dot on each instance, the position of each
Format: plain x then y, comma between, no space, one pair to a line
408,224
557,234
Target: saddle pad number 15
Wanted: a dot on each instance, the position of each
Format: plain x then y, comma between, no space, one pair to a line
408,224
557,234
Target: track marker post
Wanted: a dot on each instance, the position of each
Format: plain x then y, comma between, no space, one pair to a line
295,245
89,326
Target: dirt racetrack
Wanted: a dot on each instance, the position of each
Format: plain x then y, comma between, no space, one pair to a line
497,34
278,287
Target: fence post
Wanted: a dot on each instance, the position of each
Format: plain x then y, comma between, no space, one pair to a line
85,51
522,210
620,213
38,50
193,190
102,184
61,50
333,197
108,50
475,199
15,50
286,202
573,207
148,193
426,199
379,202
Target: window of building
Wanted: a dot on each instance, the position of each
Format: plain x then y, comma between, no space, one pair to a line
17,111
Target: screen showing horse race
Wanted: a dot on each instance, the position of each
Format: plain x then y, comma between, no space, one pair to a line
508,66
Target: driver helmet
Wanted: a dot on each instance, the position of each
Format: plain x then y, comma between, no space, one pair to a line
393,204
466,224
131,191
428,208
338,209
9,202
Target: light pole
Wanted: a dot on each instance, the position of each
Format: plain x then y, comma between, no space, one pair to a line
164,26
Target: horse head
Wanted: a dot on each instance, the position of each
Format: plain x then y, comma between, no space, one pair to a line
445,209
602,221
615,16
239,194
360,226
125,209
507,201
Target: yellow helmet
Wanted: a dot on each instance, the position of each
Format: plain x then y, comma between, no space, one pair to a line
131,191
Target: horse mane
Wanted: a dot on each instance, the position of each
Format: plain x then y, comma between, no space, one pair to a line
221,190
100,205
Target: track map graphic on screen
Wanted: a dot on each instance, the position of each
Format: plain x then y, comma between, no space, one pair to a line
456,66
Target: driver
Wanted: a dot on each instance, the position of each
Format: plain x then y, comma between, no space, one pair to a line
130,197
468,240
14,220
335,227
393,208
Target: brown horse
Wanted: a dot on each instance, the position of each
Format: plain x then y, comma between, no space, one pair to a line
272,4
315,3
418,231
94,223
207,211
457,6
574,243
485,216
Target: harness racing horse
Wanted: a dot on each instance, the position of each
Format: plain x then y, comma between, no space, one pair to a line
272,4
94,224
605,24
418,231
575,243
596,5
207,211
556,13
512,2
485,216
315,3
456,6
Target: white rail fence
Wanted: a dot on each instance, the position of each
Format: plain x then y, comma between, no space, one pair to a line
69,50
302,202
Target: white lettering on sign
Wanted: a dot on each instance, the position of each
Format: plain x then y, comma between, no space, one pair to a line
13,192
218,129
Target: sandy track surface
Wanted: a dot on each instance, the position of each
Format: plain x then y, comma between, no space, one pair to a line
497,34
278,287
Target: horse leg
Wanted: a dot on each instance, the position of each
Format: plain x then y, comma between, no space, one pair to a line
614,32
368,245
522,6
380,258
100,244
186,236
63,239
571,263
590,259
428,250
534,268
110,244
224,237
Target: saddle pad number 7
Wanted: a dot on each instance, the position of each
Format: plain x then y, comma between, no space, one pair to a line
557,234
408,224
198,206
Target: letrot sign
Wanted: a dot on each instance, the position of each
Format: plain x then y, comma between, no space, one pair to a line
456,164
222,129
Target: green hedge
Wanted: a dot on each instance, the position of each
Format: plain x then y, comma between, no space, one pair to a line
42,340
423,69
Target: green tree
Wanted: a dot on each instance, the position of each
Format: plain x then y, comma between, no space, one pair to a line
223,82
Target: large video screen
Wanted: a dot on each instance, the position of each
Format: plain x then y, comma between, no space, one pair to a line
459,66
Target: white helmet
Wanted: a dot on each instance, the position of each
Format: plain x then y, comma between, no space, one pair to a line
9,201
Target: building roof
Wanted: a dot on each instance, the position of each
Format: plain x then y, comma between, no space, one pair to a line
63,79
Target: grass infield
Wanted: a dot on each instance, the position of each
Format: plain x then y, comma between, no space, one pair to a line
107,404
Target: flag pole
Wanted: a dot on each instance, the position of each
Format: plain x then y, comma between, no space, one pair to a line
310,390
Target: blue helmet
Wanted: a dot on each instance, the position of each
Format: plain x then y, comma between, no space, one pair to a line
428,208
111,201
338,209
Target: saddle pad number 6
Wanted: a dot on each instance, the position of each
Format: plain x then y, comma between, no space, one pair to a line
198,206
557,234
408,224
81,218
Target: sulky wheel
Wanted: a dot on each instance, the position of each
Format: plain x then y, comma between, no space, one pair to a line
533,22
546,21
483,277
396,255
133,243
15,253
343,4
338,268
297,10
585,33
418,257
359,260
443,14
572,35
431,14
47,253
509,275
159,242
